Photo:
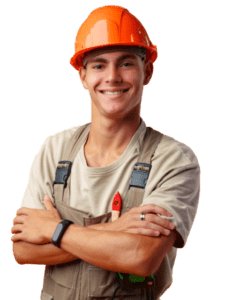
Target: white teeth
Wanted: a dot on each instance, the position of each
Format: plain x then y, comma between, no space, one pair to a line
113,93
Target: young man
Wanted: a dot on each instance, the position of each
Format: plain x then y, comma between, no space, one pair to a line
115,58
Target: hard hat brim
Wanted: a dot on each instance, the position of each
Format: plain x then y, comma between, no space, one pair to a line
76,60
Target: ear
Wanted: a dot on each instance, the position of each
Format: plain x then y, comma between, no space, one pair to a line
82,74
148,69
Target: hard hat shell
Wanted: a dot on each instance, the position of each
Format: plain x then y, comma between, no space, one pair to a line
111,26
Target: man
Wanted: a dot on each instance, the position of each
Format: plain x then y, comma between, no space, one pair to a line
115,58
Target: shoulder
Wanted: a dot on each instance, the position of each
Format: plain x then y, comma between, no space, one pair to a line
54,145
172,151
60,136
50,153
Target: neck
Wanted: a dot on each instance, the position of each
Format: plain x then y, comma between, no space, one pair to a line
108,138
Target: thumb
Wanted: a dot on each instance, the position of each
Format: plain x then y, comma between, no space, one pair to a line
48,202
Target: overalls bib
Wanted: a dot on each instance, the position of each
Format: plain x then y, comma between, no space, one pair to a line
79,280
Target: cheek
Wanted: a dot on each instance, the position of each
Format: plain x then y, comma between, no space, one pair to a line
92,81
138,84
136,78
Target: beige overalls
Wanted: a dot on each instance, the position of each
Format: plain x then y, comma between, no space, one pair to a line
79,280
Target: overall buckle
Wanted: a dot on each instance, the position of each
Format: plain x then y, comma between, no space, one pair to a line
140,175
62,172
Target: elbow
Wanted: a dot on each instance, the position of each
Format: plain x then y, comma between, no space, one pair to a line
18,258
137,266
18,252
135,269
20,262
149,264
139,270
145,269
149,271
154,251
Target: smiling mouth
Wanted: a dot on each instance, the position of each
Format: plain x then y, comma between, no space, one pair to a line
114,93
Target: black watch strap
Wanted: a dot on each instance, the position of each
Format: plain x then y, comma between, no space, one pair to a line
59,232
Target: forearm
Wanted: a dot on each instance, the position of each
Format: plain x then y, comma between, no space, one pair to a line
110,250
47,254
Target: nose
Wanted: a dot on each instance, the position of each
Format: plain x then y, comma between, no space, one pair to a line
113,74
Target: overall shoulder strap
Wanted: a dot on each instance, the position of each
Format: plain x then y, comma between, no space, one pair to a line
61,185
142,168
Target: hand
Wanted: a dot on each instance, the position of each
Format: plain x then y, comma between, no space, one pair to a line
36,226
153,225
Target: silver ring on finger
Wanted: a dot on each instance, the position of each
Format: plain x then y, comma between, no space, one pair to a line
142,217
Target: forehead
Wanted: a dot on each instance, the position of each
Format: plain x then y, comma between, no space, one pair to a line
113,56
114,53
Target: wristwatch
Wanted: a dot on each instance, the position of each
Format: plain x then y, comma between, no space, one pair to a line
59,232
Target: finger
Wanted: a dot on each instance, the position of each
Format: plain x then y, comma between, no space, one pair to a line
48,202
151,226
16,228
16,237
154,209
159,221
143,231
151,232
23,211
18,220
155,228
148,232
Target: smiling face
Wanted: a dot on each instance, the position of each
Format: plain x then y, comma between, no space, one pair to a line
115,82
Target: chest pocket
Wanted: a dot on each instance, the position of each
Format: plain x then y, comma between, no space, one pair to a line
66,274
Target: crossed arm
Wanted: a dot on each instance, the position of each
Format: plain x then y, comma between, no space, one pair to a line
126,245
44,254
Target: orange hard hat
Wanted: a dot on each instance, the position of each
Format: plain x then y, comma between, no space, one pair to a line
111,26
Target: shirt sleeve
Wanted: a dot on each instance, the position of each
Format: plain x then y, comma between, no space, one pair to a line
40,178
174,184
43,169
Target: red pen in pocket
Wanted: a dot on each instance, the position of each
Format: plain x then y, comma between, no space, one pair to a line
116,206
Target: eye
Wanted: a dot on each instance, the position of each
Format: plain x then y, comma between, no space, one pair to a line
97,67
127,64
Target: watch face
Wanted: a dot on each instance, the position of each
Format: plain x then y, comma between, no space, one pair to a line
60,230
57,232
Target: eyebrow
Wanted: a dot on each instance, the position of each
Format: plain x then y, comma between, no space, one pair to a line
121,58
